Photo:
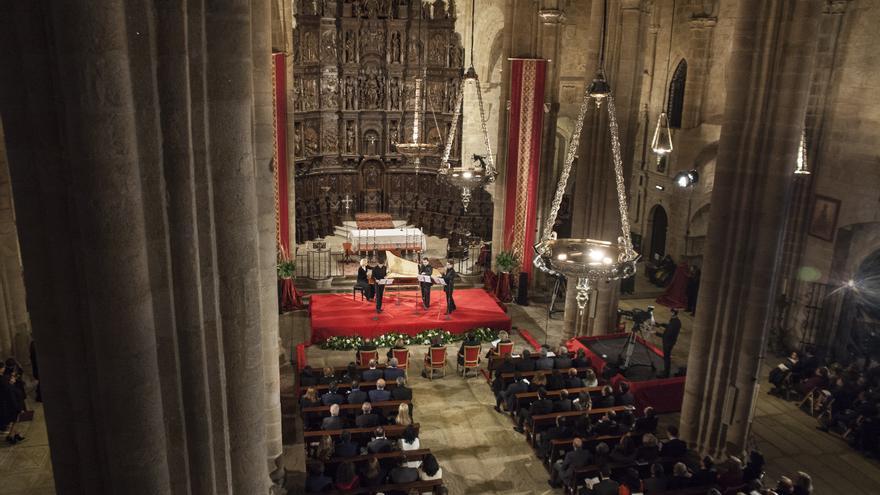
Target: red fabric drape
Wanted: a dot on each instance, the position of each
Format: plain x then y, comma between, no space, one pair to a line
676,294
525,125
279,86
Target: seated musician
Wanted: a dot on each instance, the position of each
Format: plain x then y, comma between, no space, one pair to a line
470,340
363,279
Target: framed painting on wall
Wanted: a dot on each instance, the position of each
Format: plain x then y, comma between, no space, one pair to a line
823,220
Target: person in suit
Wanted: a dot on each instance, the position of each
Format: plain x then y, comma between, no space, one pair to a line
555,381
398,346
401,391
379,394
379,443
508,396
649,450
392,372
525,363
543,440
449,279
367,418
606,485
648,422
707,475
403,474
356,395
563,404
681,477
657,481
507,366
606,399
581,360
345,447
332,396
352,372
373,373
380,271
573,380
563,360
373,473
307,377
670,337
544,362
316,481
334,421
367,345
673,447
327,376
541,406
363,279
426,269
577,458
624,396
470,340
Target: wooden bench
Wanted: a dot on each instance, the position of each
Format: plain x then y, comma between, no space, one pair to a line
618,468
525,398
391,431
345,386
419,486
410,455
508,377
352,409
495,362
541,422
560,446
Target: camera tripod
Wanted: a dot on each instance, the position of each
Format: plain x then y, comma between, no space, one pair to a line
629,347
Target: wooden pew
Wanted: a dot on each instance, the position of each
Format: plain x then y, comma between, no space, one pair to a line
346,386
410,455
391,431
352,409
560,446
546,419
419,486
508,377
525,398
618,468
495,362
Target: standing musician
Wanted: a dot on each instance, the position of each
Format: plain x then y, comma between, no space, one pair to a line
426,269
363,279
449,278
379,273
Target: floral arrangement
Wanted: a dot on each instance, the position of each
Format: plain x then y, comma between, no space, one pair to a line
286,269
422,338
506,261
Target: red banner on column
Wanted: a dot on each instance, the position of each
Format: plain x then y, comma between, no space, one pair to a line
279,108
524,130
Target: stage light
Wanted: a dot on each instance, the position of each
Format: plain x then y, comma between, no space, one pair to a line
659,187
687,178
599,88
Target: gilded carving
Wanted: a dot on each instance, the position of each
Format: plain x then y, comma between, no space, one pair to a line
395,48
328,47
437,50
310,140
330,142
350,48
329,91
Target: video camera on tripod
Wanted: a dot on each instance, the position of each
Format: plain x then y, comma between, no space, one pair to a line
643,321
638,317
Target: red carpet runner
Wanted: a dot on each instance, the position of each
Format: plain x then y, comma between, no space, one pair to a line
337,315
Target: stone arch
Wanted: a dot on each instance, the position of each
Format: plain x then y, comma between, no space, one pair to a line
675,100
657,227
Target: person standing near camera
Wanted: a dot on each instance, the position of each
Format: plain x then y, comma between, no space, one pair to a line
670,337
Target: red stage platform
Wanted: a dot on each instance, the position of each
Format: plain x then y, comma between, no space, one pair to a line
663,394
335,315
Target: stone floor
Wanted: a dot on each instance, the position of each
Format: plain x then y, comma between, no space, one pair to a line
25,468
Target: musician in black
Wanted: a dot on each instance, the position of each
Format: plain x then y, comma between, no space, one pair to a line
449,278
379,273
363,280
426,269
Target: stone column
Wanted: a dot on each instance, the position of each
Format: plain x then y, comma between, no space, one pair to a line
594,210
264,153
230,90
767,86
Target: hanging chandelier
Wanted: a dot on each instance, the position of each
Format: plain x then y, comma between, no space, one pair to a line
801,167
415,150
472,177
589,260
661,145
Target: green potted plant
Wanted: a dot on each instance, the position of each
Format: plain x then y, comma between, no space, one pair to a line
286,269
506,261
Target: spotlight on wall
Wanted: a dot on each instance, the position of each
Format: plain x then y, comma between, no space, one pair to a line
659,187
687,178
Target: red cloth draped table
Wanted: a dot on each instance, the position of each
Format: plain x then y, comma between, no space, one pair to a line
502,287
675,296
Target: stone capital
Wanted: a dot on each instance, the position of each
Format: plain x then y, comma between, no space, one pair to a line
835,7
551,16
702,21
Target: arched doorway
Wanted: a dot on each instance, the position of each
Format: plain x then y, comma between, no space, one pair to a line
658,223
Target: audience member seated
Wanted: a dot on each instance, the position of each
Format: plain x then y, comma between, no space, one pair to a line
624,396
508,395
470,340
648,422
602,454
681,477
562,360
346,477
606,485
541,406
707,475
555,380
379,443
327,377
379,394
392,372
525,363
332,396
673,447
316,481
410,441
435,344
649,451
733,473
544,363
325,450
606,399
754,468
578,457
352,373
369,346
784,486
657,482
310,399
334,421
539,380
573,380
508,365
345,447
430,469
803,484
563,403
503,338
782,371
402,474
367,418
819,380
356,395
581,360
606,425
590,379
398,345
372,373
624,451
625,421
401,391
561,429
373,473
403,416
307,377
631,482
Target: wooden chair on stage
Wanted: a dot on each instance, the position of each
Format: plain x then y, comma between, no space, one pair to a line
503,349
366,356
402,356
471,359
435,360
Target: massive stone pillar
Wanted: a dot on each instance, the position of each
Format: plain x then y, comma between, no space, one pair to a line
767,86
594,200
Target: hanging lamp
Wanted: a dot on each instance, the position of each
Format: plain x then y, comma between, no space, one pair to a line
414,150
471,177
661,145
802,167
589,260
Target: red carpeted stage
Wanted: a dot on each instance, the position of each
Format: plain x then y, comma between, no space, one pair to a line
337,315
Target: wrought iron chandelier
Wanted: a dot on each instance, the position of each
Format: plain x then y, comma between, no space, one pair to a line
415,150
472,177
661,145
589,260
